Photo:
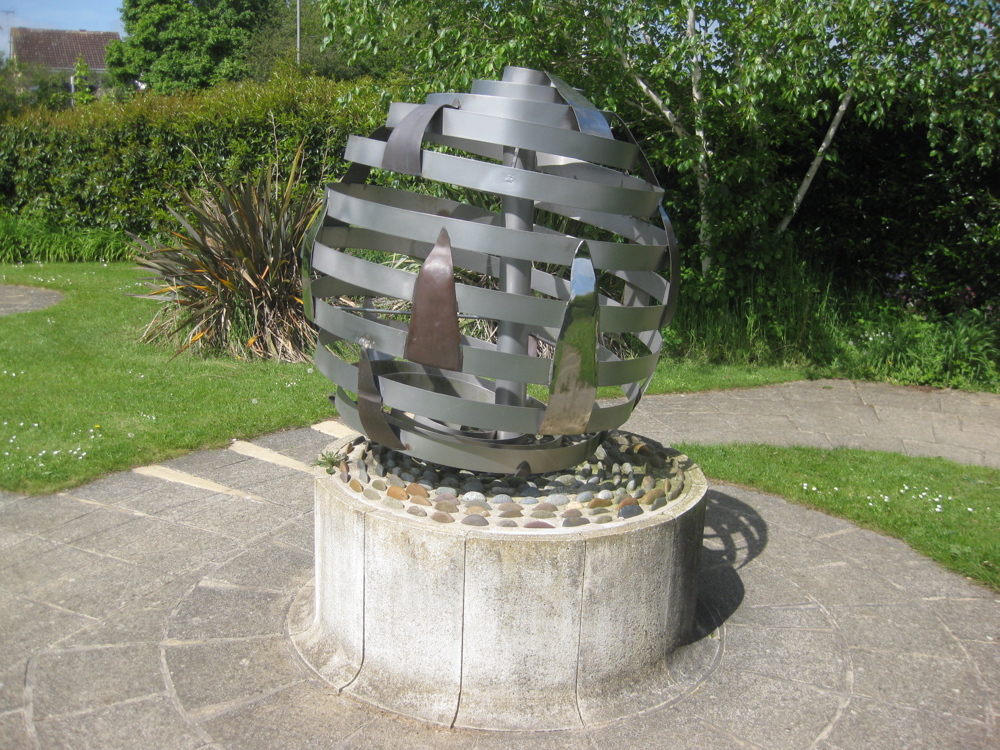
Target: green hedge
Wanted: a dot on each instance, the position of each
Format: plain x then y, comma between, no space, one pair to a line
119,165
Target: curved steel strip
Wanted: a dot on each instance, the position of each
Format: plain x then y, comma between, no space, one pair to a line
487,303
353,328
485,362
574,363
674,258
595,174
588,117
498,305
343,239
403,147
434,338
492,456
624,371
613,417
516,74
554,115
370,407
516,91
415,393
472,127
629,227
518,183
420,218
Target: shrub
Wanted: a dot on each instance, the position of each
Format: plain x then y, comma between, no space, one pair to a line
24,240
123,165
232,282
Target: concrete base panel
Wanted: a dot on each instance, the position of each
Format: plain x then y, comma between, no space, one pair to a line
502,628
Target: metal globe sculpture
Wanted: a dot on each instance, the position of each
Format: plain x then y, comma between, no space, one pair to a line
453,310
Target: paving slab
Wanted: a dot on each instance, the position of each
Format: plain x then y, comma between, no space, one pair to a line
138,612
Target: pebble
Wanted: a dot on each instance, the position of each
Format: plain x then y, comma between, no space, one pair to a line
538,525
599,502
511,506
417,500
474,496
473,485
379,485
546,506
605,495
566,479
417,490
648,482
658,503
475,520
653,495
629,511
543,514
372,494
585,497
529,500
408,476
414,510
572,513
446,507
395,481
507,523
501,498
676,486
603,519
393,503
558,499
441,517
356,486
510,514
575,521
478,511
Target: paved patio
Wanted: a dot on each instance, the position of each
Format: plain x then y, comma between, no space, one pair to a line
149,609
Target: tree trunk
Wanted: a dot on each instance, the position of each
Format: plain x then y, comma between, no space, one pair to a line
816,162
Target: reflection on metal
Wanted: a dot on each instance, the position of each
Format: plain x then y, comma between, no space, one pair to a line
573,391
370,405
536,147
434,338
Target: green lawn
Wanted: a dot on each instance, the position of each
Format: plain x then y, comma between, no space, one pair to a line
80,397
948,511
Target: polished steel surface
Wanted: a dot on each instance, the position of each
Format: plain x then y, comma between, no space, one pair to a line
454,305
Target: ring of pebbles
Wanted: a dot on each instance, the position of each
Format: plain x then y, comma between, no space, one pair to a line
627,478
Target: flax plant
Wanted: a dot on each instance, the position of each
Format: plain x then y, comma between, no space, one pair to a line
231,282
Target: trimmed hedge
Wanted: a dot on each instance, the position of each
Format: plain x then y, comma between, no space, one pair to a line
119,165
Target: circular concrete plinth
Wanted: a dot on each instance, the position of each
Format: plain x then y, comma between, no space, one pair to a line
501,627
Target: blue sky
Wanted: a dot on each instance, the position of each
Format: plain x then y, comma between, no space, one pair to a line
89,15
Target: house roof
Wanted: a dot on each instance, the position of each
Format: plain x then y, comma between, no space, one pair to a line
59,50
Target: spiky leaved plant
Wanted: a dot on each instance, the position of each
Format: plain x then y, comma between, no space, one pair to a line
231,283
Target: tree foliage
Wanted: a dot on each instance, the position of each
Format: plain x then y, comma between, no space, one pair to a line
184,44
82,95
738,103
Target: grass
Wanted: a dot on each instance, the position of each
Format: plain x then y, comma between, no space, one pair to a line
23,241
948,511
80,397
